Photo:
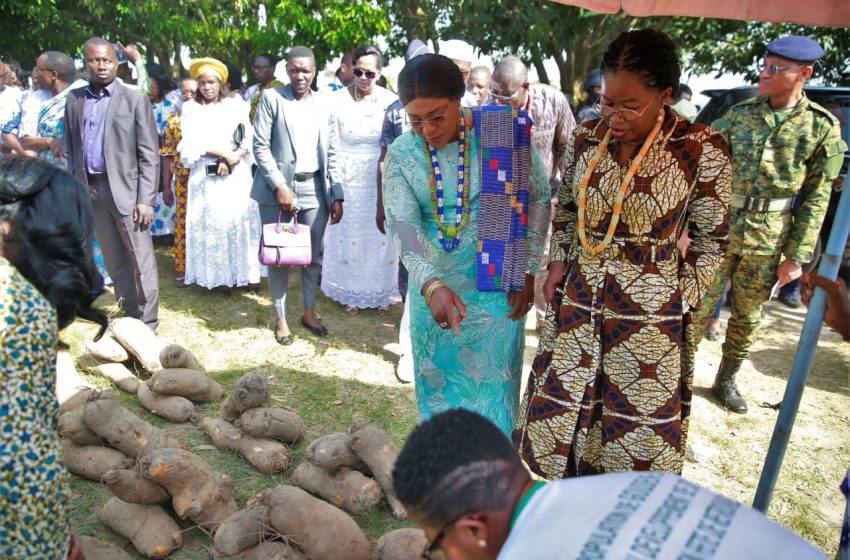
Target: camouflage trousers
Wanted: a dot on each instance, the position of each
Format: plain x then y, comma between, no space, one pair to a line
752,278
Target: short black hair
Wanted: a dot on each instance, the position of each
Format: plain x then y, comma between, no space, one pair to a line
347,57
648,53
99,42
300,52
52,236
368,50
62,64
684,89
272,59
431,76
455,463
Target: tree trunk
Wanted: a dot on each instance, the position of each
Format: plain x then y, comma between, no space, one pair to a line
537,61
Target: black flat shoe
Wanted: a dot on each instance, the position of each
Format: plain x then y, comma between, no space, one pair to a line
318,331
284,339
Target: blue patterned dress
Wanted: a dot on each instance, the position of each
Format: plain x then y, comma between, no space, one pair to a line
480,369
34,494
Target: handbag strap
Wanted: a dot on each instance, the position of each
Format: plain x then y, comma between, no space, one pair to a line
279,226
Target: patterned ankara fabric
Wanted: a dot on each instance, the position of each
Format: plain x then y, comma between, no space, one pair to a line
480,369
34,493
504,163
173,136
610,388
254,93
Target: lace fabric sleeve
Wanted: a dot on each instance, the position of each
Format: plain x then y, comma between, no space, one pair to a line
540,197
404,218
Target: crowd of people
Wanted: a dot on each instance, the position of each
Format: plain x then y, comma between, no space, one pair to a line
472,194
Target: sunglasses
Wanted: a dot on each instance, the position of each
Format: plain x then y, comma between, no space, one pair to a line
774,69
359,72
500,99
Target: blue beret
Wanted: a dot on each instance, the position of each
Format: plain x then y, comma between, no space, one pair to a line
796,47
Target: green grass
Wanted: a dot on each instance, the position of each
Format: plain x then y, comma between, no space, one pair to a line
332,382
349,376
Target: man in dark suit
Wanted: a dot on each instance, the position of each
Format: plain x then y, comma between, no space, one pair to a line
112,147
290,147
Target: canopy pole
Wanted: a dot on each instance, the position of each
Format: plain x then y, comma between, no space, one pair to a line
828,268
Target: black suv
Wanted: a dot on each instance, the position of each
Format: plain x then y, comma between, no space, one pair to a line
723,99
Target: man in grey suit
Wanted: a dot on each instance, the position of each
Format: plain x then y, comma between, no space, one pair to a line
112,148
290,148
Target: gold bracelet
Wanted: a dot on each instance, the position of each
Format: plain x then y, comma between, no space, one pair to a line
432,287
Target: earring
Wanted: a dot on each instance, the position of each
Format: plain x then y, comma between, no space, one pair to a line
482,543
661,114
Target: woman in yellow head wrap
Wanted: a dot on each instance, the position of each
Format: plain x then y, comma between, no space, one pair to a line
222,222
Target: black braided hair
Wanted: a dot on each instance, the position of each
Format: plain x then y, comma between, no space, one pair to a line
455,463
52,235
648,53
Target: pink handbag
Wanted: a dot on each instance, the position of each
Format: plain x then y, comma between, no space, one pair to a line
285,244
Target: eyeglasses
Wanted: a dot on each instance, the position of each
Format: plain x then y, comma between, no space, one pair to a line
359,72
499,99
435,120
774,69
432,550
629,115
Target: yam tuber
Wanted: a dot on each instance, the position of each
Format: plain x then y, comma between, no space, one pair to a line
192,384
267,455
171,407
124,430
140,342
275,423
175,356
117,373
72,426
197,492
332,451
107,349
274,550
69,384
321,530
240,531
130,486
376,450
94,549
251,391
82,397
93,461
343,487
149,528
401,544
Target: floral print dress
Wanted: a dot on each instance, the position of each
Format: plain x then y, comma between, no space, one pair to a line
610,388
34,492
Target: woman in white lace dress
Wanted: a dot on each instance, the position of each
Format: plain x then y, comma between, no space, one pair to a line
222,221
360,266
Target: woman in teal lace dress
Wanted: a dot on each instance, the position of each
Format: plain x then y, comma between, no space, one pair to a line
471,258
47,279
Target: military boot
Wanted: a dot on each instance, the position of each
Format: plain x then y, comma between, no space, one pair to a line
724,387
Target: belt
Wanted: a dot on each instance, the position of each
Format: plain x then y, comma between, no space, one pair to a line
750,204
301,177
639,253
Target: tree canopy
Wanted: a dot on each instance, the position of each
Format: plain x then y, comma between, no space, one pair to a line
536,30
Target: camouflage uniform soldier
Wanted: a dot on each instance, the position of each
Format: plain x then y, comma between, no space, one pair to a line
785,152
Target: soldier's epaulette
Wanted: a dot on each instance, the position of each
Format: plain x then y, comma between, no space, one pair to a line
818,108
